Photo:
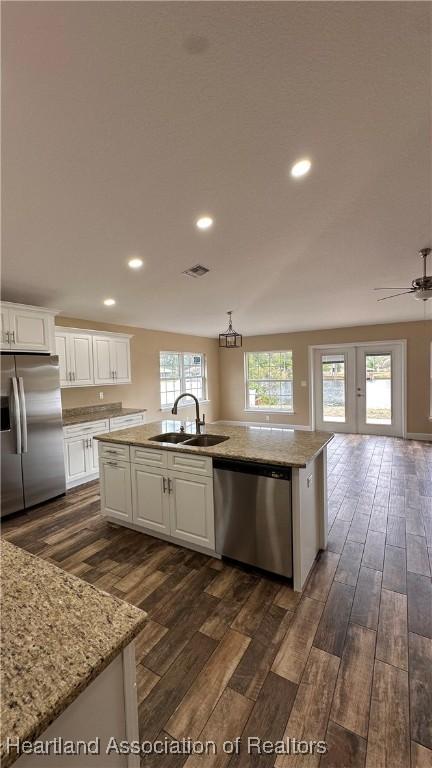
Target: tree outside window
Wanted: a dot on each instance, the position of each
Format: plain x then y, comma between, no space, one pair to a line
269,380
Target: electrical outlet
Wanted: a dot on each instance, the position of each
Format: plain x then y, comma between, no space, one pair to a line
267,418
101,395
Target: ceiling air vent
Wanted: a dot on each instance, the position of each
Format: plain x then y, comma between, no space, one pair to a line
197,271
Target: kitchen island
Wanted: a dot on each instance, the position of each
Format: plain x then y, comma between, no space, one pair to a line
164,486
68,664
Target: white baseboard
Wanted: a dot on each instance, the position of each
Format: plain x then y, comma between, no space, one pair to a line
419,436
303,427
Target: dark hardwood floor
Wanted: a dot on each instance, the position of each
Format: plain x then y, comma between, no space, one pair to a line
229,652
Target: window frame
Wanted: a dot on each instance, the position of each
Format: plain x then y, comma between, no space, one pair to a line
181,355
267,408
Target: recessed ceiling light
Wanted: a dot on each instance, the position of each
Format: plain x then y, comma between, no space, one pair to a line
301,168
109,302
135,263
205,222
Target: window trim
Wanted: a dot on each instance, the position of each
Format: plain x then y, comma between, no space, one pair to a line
266,409
204,399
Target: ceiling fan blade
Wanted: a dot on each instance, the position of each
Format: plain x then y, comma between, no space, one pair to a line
393,289
396,294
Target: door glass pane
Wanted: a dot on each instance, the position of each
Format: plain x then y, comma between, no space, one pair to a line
378,389
333,387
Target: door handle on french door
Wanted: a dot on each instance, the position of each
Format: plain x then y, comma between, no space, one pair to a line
23,415
17,414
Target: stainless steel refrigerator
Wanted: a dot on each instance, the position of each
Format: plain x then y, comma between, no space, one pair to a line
32,463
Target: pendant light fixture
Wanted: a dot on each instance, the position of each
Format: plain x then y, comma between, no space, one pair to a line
230,339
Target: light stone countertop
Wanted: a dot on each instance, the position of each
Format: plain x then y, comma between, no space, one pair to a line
265,445
58,634
87,413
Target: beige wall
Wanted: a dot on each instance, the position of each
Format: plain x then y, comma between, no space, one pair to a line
226,373
143,392
417,334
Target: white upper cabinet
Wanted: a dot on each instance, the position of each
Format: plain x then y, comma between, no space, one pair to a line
81,353
27,329
4,327
111,359
75,353
89,358
120,354
63,356
103,370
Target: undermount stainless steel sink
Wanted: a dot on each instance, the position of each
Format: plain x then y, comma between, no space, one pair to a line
206,440
171,437
188,439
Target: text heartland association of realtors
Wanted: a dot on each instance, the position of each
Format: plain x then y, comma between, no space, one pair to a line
252,744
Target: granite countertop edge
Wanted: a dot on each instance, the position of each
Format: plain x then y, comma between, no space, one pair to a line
32,733
124,436
40,721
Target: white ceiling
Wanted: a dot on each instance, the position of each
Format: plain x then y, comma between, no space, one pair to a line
123,122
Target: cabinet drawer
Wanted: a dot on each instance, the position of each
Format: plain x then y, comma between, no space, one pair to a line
114,451
151,456
123,422
192,463
94,427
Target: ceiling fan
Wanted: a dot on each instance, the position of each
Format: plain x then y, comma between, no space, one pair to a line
421,287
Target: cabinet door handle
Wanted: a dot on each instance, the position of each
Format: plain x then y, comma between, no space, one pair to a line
164,480
12,337
7,334
112,463
170,485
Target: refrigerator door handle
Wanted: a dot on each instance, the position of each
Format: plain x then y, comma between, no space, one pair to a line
23,414
17,414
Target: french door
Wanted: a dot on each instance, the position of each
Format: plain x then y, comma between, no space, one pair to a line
359,389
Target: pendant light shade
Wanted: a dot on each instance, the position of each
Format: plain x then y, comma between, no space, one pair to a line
230,339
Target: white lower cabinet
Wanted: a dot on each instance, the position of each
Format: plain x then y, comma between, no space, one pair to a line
150,502
116,496
191,509
81,449
173,503
76,459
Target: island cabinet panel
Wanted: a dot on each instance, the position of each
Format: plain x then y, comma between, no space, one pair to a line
116,496
107,709
192,463
164,501
150,499
191,509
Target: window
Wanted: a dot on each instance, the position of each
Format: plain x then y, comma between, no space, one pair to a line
181,372
269,381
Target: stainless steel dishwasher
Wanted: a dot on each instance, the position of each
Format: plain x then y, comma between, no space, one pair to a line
253,514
